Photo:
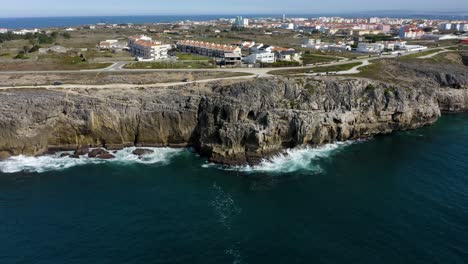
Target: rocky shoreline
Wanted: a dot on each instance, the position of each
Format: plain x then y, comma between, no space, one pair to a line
228,123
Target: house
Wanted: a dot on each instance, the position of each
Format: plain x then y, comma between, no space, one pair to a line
108,44
261,57
3,30
223,54
56,49
408,32
261,48
370,47
26,31
338,47
247,44
289,55
145,49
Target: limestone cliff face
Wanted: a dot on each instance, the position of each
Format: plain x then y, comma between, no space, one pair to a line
36,120
228,123
251,120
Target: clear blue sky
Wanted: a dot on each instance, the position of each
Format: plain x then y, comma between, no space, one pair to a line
26,8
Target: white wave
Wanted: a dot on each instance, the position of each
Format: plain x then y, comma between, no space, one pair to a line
55,162
292,160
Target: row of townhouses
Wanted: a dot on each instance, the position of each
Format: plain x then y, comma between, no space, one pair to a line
145,49
223,54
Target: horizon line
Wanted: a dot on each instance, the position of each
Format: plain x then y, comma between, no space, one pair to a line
408,12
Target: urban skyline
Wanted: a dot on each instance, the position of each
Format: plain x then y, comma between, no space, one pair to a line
54,8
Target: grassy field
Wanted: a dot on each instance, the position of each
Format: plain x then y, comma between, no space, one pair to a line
421,53
49,62
334,68
108,77
313,58
465,47
191,57
171,65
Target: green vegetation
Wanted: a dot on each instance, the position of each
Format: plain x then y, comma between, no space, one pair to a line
370,87
313,58
465,47
378,38
66,35
185,56
21,56
40,38
421,53
310,88
171,65
34,49
279,64
375,71
334,68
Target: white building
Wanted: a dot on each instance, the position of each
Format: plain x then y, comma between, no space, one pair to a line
26,31
223,54
3,30
263,57
259,48
338,47
370,47
311,43
145,49
411,32
242,22
288,26
109,44
445,26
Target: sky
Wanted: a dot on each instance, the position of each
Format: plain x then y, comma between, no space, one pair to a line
44,8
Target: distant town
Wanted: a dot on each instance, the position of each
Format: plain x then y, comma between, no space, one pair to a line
238,42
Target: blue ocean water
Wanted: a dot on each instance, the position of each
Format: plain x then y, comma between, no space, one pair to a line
49,22
401,198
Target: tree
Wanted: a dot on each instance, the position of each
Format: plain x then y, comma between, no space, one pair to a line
66,35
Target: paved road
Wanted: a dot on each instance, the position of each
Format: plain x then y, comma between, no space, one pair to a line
124,85
433,54
260,72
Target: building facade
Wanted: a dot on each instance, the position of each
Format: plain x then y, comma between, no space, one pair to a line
223,54
145,49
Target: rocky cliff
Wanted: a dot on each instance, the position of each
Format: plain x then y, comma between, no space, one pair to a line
228,123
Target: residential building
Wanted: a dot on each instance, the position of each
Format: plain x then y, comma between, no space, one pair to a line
259,48
242,22
288,55
445,26
26,31
3,30
223,54
370,47
145,49
262,57
247,44
109,44
411,32
384,28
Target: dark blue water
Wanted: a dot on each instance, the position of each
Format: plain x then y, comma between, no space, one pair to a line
401,198
48,22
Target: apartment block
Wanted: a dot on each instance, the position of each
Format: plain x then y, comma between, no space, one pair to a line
223,54
145,49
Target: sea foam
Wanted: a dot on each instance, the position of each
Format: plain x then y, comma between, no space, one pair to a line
291,160
55,162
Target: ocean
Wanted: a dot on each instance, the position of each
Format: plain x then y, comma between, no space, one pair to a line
62,22
399,198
